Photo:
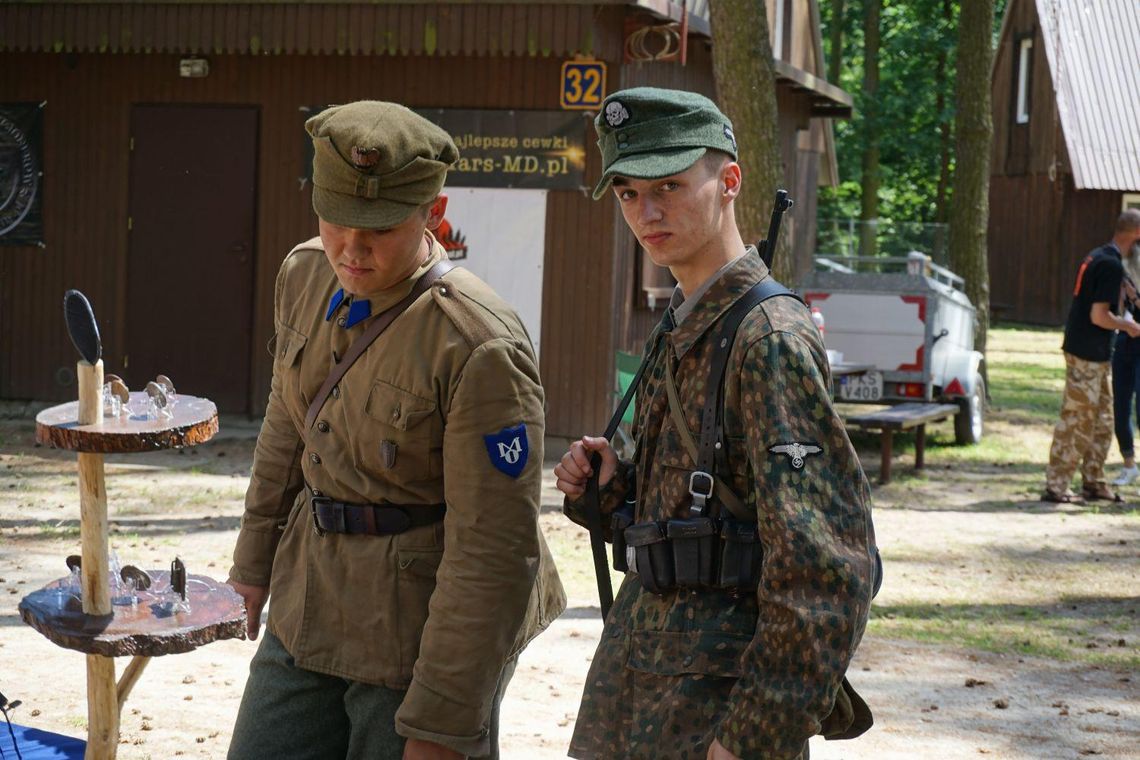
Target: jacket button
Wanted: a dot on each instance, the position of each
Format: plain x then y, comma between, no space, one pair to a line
315,458
687,661
336,391
317,493
395,412
341,321
323,426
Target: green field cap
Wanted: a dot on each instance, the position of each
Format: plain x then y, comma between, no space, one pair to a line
375,163
649,132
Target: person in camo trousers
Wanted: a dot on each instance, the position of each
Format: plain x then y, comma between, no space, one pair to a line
1084,433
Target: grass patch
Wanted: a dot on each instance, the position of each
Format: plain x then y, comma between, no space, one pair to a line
1010,629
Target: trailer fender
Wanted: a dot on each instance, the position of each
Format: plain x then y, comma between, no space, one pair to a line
960,374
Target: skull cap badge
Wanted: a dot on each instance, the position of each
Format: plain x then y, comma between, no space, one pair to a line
616,113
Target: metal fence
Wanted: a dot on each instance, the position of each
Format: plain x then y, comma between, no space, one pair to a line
882,237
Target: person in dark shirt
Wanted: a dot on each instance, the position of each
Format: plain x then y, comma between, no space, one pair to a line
1084,433
1126,375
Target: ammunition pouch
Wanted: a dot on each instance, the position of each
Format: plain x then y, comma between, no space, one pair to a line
694,553
740,555
653,556
694,542
619,521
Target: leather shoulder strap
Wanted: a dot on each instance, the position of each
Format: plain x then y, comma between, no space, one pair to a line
379,325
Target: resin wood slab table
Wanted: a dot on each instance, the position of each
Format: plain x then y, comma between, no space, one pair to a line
149,628
87,620
193,421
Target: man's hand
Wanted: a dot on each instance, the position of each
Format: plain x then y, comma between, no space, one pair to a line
419,749
718,752
574,469
1132,328
254,597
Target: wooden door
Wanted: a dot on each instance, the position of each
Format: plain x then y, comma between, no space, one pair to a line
192,210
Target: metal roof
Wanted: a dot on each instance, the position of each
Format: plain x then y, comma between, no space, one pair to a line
1093,48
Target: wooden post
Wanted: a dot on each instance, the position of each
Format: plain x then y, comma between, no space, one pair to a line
919,447
102,709
102,695
93,497
886,443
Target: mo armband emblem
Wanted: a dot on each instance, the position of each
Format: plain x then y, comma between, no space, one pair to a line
508,449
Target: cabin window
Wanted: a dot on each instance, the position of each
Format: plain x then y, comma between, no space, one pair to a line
782,36
1024,64
1130,200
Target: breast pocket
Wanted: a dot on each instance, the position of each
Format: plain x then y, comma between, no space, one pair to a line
401,435
288,347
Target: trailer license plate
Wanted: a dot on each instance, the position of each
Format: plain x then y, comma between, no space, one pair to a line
865,387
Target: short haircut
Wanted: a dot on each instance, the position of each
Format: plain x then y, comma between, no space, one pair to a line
1129,219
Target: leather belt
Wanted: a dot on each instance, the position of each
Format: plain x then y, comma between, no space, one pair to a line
331,516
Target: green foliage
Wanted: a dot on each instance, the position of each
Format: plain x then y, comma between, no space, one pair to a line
915,34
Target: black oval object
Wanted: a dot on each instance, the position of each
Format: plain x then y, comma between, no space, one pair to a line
81,326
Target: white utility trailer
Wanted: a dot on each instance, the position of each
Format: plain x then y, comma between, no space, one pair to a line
910,321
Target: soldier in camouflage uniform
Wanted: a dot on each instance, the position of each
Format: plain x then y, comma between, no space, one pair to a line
1084,432
709,672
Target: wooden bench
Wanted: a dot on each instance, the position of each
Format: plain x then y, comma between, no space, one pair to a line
902,417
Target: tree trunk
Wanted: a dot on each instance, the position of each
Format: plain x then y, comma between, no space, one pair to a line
835,50
746,89
869,211
945,142
974,128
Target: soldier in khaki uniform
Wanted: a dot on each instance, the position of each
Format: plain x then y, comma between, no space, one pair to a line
396,528
722,667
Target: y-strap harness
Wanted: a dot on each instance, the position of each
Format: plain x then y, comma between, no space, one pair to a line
704,550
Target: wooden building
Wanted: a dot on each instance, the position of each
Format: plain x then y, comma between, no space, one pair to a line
1066,155
174,168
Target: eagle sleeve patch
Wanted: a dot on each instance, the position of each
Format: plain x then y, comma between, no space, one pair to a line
796,452
508,450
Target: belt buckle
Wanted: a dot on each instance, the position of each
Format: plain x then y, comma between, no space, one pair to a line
313,502
701,489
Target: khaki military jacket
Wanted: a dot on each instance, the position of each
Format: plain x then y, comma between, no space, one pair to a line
439,609
758,672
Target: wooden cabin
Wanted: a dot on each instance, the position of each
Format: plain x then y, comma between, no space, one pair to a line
1066,152
158,152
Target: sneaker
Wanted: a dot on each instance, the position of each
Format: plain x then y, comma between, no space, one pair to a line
1127,475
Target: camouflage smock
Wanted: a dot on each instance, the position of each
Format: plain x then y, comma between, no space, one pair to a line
758,672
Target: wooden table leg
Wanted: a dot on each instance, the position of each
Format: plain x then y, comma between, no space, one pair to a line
130,677
102,709
919,447
887,441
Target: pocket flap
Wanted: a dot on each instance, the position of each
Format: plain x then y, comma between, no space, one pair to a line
422,563
287,345
397,407
667,653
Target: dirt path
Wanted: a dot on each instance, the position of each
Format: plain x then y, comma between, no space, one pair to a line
959,539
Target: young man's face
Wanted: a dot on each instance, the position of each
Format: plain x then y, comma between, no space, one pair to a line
675,218
367,261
